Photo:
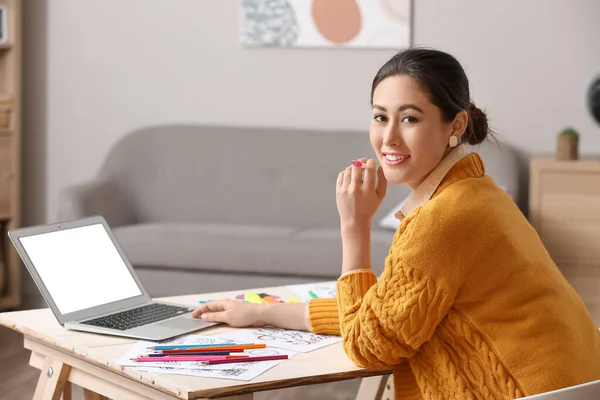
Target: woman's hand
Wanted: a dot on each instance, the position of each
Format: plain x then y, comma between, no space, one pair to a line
240,314
358,197
231,312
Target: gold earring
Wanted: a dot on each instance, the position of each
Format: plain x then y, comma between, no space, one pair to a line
453,141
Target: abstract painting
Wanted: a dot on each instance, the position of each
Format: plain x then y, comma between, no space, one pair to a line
326,23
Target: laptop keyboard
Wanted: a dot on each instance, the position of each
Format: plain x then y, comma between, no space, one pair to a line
138,316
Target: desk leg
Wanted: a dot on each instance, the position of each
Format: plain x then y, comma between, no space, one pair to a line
372,388
89,395
53,379
68,392
388,391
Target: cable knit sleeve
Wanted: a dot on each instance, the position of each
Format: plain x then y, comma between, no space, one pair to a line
384,322
323,316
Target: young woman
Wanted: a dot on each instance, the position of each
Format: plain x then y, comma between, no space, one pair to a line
470,304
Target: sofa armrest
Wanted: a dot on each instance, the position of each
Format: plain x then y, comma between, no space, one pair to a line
95,197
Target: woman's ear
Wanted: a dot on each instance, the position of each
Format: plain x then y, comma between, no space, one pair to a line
459,125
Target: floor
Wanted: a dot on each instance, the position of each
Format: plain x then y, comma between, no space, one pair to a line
18,381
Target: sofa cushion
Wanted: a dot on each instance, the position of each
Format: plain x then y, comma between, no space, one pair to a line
219,174
243,248
253,176
162,282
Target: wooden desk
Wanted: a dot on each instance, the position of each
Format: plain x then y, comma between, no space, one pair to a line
88,360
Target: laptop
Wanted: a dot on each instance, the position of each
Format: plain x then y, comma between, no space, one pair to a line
87,281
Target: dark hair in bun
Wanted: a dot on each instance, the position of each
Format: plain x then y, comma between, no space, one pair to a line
446,82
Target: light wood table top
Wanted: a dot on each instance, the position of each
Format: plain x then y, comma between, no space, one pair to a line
95,356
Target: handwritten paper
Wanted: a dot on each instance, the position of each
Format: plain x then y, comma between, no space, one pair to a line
196,339
324,290
240,371
298,341
143,348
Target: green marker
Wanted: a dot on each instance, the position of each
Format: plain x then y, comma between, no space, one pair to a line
312,294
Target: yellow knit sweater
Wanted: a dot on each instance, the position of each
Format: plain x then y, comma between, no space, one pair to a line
469,305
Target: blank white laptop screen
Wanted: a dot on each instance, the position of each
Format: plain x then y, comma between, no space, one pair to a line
80,267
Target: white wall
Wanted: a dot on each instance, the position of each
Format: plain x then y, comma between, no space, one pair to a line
95,70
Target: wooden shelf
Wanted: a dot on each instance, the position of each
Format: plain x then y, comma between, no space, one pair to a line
10,154
6,98
11,301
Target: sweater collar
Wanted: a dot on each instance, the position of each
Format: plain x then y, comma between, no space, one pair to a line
457,165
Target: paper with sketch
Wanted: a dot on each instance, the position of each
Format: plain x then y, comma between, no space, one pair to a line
143,348
299,341
195,339
240,371
324,290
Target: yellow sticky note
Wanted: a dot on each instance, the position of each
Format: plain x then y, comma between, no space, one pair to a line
254,298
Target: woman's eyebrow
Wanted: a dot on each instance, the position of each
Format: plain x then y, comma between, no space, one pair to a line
401,108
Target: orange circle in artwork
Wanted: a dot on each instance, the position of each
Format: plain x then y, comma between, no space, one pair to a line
339,21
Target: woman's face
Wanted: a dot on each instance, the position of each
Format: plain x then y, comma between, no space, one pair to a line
408,132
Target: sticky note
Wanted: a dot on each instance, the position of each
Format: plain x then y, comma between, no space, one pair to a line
253,298
270,299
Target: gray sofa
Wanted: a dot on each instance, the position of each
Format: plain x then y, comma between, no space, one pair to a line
206,208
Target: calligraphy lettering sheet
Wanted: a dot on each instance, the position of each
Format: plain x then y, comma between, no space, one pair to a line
297,341
241,371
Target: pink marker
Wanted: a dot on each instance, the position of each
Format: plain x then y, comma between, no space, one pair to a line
180,358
